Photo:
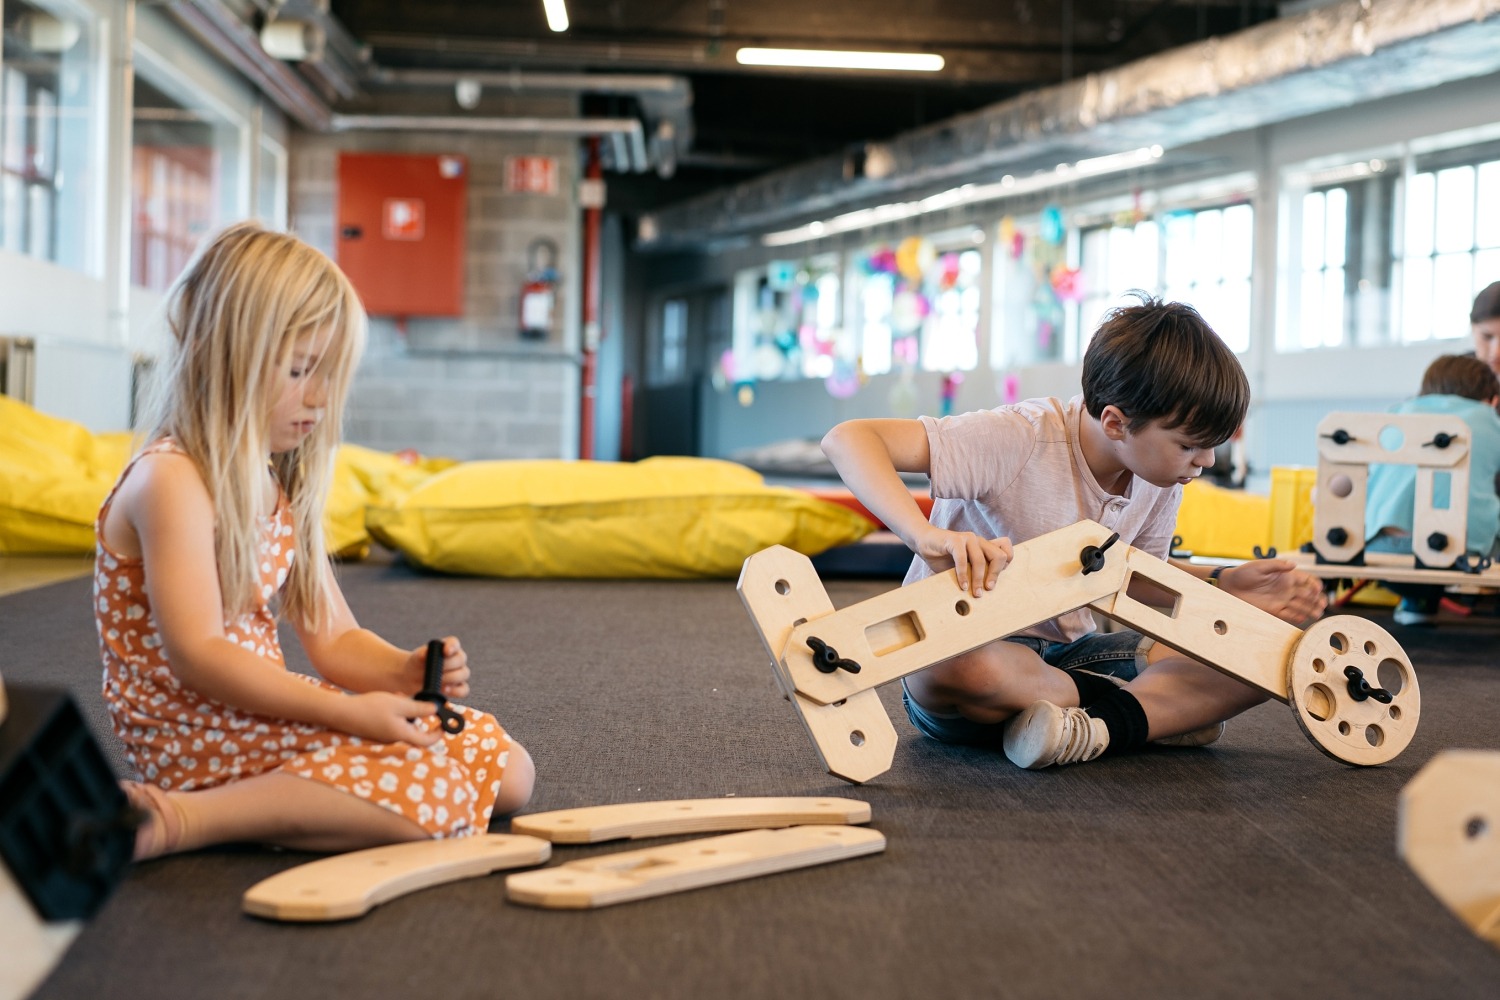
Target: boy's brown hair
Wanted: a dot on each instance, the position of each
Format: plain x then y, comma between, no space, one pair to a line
1460,375
1486,304
1162,361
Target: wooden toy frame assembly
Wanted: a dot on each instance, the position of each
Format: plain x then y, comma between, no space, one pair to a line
1438,446
1351,686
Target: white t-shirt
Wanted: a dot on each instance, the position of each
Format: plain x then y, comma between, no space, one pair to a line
1018,472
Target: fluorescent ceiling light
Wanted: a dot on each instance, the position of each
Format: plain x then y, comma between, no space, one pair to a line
921,62
557,14
967,194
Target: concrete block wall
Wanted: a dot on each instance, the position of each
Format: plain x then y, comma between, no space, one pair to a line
466,387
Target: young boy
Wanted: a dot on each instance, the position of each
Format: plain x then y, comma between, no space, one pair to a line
1160,391
1464,386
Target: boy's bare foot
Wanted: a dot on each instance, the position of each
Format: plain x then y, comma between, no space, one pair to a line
161,828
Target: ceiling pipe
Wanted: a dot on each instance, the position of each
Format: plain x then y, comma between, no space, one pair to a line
1321,60
666,101
224,34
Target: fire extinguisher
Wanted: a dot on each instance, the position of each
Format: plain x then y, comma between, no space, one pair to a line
539,293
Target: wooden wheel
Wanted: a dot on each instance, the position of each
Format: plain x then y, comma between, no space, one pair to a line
1353,690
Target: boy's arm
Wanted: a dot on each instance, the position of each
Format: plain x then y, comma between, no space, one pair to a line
357,659
1275,586
870,455
168,508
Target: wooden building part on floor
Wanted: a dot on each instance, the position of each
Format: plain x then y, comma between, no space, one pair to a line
1448,831
633,820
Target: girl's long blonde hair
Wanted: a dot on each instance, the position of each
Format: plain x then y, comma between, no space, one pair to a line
235,316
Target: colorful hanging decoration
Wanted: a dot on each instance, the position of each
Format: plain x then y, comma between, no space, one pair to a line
881,260
1053,228
846,380
1010,388
948,392
1067,282
914,256
948,271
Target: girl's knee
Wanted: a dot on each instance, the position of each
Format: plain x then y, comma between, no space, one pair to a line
518,782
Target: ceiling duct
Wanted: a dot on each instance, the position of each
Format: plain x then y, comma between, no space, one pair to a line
666,103
1320,60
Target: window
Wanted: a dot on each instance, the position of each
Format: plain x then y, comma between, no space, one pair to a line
184,182
787,320
674,328
950,331
46,132
1451,248
1199,256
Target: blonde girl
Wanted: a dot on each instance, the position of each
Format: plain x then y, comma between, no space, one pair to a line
219,515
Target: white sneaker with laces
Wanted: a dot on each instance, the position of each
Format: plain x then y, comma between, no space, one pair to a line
1046,734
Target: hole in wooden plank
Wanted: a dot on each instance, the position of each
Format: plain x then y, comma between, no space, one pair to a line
1374,735
894,633
1317,701
1391,675
1220,627
1153,595
1391,438
1476,827
857,738
783,588
1340,485
1442,490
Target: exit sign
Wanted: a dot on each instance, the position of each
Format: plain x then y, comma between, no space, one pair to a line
531,174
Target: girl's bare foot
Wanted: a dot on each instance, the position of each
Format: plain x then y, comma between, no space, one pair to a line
161,827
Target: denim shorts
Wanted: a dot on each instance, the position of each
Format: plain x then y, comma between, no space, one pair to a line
1120,654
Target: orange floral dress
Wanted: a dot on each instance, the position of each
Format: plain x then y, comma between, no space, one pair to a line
181,740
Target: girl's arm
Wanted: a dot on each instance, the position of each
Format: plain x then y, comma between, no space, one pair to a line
168,509
357,659
870,455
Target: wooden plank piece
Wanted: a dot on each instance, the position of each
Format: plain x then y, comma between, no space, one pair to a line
1394,568
618,878
633,820
911,628
854,739
1448,831
350,885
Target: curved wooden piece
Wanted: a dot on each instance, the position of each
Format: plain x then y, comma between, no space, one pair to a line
350,885
854,739
1362,732
1448,831
633,820
657,871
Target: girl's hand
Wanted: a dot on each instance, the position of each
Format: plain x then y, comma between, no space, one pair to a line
455,683
389,718
976,561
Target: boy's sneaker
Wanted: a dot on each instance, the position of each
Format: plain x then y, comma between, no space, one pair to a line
1415,612
1046,734
1197,738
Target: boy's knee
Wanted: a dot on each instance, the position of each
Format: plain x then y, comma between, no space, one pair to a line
518,782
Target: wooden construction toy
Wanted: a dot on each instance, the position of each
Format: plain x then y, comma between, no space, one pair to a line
634,820
1448,831
1438,446
346,886
1352,688
619,878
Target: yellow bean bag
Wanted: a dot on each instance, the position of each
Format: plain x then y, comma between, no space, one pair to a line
1228,524
662,517
55,474
362,477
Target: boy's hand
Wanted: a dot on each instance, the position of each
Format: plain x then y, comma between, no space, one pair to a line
976,561
1278,587
389,718
455,669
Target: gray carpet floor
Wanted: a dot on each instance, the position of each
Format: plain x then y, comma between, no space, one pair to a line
1255,868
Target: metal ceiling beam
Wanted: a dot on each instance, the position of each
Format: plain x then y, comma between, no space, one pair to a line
1321,60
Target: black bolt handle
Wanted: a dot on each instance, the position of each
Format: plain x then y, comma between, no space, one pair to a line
1341,436
1360,689
827,659
1269,554
1092,556
432,690
1441,440
1473,563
